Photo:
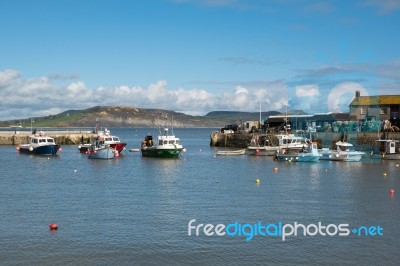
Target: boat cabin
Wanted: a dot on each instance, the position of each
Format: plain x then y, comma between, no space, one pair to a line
345,147
389,146
42,140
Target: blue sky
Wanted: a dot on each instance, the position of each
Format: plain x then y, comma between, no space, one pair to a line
195,56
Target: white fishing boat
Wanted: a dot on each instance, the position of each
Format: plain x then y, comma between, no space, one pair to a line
286,141
344,152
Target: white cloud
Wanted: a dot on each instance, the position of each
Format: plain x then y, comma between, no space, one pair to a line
7,76
22,98
307,90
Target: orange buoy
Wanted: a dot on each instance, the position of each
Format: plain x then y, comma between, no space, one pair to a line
391,192
53,226
59,149
17,148
276,169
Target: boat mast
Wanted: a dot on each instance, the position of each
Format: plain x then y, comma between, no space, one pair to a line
260,116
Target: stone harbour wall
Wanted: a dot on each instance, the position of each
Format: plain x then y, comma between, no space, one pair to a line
62,137
364,141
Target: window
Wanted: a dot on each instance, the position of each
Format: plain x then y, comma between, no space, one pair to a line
384,111
363,110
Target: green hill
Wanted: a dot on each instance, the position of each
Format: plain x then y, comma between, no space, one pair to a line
123,116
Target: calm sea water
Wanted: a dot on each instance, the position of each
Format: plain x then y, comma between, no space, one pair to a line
135,211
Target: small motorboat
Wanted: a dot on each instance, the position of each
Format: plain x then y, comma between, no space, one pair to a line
344,152
39,144
230,153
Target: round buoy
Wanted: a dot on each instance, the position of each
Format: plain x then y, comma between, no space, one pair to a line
53,226
276,169
258,181
391,192
17,148
116,153
385,174
257,150
184,149
30,148
59,149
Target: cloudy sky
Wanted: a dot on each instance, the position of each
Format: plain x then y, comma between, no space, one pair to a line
195,56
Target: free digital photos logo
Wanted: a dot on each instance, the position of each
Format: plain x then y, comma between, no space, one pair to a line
281,230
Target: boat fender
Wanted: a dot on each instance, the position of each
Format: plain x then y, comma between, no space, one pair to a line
30,148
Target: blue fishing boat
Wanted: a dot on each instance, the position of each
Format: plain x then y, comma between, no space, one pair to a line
309,154
39,144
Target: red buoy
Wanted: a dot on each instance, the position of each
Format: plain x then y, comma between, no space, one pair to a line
391,192
53,226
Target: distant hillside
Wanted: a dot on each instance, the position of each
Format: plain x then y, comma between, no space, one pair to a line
122,116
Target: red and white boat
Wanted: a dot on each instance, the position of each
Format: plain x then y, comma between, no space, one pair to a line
105,138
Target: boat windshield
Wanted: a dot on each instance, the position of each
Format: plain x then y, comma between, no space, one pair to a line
115,139
346,148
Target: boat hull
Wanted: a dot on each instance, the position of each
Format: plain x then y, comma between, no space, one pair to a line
104,153
298,158
231,153
161,153
40,150
388,156
262,151
345,157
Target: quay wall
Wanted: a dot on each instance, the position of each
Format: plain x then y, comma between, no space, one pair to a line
60,137
365,141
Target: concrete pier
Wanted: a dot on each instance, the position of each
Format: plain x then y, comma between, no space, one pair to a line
68,137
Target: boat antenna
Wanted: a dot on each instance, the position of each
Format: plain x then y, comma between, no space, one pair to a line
172,125
260,116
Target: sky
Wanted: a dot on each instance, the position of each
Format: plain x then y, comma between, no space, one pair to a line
196,56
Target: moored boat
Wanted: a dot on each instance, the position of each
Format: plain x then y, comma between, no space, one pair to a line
344,152
231,152
39,144
286,141
388,150
108,139
166,146
99,150
309,154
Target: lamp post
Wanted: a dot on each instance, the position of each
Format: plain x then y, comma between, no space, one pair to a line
31,125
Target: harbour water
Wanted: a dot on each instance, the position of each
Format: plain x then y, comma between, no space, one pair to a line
136,211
